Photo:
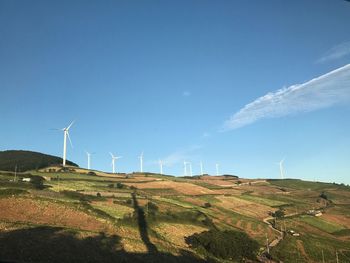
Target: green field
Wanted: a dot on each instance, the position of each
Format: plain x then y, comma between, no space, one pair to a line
171,216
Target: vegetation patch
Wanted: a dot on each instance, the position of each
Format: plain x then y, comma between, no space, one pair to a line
261,200
228,244
12,191
321,224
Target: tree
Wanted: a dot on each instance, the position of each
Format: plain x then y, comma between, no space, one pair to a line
227,244
323,196
279,213
152,208
119,185
207,205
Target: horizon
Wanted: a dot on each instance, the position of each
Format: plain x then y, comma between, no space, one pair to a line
223,83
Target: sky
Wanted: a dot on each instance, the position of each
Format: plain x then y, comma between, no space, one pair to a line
242,84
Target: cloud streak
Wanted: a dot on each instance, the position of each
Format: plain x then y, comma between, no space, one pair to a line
336,52
321,92
180,156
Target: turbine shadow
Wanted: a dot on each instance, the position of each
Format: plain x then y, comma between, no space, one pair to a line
142,224
59,245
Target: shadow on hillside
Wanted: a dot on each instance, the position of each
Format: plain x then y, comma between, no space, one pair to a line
56,244
143,228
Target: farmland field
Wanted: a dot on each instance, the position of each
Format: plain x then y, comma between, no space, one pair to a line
88,210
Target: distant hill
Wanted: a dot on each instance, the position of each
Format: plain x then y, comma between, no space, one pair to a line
27,160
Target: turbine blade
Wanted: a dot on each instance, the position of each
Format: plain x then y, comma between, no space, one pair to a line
70,141
70,125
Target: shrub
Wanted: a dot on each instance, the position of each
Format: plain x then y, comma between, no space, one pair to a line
152,208
279,213
207,205
98,194
119,185
37,182
12,191
228,244
323,196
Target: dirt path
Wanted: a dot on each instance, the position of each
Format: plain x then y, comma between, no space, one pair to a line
300,247
276,241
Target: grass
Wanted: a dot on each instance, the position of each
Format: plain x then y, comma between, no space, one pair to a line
175,208
263,201
11,191
117,211
176,202
301,185
321,224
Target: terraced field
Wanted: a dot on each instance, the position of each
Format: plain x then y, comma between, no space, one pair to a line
147,217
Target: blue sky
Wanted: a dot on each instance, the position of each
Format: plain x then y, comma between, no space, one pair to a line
181,80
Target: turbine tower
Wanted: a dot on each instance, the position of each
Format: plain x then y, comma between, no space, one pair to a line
185,168
66,134
114,158
201,165
281,168
217,168
88,159
161,166
141,162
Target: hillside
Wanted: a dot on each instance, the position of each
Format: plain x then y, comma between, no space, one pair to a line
153,218
27,160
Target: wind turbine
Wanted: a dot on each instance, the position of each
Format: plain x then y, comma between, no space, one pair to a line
281,168
114,158
66,134
217,168
185,168
89,159
201,165
141,162
161,166
190,168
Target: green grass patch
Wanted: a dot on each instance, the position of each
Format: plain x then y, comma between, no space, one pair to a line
321,224
263,201
11,191
117,211
301,185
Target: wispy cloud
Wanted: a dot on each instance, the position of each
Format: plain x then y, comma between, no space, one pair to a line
205,135
324,91
336,52
180,155
186,93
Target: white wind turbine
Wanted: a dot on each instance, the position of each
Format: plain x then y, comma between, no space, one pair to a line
66,134
161,166
201,165
89,159
141,162
281,168
190,164
217,168
185,168
114,158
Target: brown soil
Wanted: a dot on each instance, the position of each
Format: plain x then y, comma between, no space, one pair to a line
49,213
184,188
244,207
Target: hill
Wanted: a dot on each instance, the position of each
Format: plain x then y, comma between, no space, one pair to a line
144,217
27,160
